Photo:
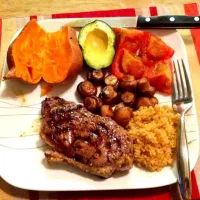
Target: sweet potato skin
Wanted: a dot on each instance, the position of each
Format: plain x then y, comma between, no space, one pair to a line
71,69
11,74
77,61
10,61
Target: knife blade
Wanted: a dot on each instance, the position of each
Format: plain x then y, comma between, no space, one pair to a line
164,21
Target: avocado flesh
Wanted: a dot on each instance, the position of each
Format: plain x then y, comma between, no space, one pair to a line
97,40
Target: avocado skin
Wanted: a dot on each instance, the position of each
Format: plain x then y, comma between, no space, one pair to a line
106,58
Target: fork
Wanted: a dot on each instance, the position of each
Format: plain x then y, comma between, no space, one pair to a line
182,101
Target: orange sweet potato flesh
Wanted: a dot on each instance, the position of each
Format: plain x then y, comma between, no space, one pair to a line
36,54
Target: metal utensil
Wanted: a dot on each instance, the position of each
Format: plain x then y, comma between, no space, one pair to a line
144,22
182,101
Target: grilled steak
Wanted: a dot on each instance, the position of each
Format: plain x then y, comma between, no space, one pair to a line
95,144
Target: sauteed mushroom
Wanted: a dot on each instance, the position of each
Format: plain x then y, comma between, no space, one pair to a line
123,115
128,83
144,88
128,98
95,76
106,111
112,81
86,89
92,103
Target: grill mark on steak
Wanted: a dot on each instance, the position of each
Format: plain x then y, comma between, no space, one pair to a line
89,140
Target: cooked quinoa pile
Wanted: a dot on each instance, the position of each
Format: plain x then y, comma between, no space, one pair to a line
155,131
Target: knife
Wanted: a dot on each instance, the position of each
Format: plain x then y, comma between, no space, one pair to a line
164,21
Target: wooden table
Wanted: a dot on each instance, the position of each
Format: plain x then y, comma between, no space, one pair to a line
13,8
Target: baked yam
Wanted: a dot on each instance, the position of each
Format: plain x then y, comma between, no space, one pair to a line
36,54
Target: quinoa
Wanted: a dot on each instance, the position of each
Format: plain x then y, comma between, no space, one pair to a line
154,131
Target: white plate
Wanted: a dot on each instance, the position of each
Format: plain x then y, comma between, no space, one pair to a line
24,165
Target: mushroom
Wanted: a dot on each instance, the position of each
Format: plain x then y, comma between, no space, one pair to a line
119,105
106,111
108,92
112,81
128,98
95,76
144,88
86,89
109,95
92,103
128,83
123,115
144,102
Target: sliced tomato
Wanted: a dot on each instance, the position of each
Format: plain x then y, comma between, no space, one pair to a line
147,61
130,45
160,76
131,39
158,50
132,65
116,65
142,54
144,44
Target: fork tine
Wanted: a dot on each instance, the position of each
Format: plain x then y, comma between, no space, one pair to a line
179,80
174,84
177,91
188,91
181,89
183,80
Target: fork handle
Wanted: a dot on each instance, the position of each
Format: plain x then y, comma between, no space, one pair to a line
183,165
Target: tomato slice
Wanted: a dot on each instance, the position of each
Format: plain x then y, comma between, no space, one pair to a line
148,62
132,65
130,45
158,50
115,67
131,39
142,54
160,76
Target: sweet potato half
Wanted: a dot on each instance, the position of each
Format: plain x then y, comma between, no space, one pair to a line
36,54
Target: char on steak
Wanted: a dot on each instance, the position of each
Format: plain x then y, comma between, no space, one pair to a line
95,144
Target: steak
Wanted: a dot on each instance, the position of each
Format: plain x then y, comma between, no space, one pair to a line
94,144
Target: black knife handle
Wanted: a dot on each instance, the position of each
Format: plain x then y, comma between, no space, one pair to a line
169,21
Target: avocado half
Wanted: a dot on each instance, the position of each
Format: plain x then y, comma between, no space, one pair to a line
97,40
